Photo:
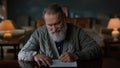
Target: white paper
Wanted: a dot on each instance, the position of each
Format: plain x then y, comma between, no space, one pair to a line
58,63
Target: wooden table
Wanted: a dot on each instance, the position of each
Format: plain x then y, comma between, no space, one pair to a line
9,64
108,44
22,64
14,42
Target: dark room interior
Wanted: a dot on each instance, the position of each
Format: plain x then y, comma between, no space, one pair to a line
96,17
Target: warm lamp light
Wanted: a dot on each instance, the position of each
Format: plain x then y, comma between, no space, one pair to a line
114,24
7,25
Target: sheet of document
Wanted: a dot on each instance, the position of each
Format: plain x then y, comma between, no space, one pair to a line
58,63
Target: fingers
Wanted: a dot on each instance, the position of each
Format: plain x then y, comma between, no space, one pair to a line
66,57
39,64
63,55
46,61
38,61
42,60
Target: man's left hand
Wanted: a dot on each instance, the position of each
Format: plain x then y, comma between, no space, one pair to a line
68,57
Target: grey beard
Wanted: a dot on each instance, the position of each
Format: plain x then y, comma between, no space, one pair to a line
58,36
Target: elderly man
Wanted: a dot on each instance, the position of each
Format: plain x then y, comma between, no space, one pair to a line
58,40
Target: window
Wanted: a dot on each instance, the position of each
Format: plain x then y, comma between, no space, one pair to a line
3,14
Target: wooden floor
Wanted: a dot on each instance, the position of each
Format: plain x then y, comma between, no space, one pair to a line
108,62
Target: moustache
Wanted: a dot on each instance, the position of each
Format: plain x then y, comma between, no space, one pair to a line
55,31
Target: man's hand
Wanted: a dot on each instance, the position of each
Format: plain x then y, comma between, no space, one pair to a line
68,57
42,60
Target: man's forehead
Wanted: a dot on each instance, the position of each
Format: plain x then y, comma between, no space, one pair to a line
51,18
52,15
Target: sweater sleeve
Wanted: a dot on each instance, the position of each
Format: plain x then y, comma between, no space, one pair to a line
30,48
89,49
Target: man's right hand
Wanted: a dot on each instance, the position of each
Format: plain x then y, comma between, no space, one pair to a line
41,60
